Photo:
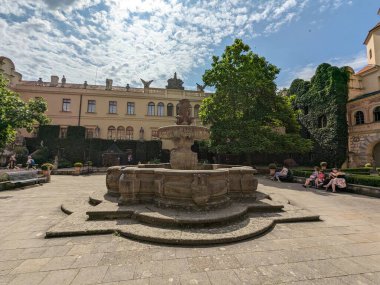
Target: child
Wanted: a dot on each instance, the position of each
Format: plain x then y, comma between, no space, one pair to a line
312,177
319,180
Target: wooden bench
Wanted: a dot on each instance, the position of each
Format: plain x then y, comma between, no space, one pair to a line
19,178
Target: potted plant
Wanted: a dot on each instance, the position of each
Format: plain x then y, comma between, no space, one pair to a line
272,169
46,170
323,165
78,166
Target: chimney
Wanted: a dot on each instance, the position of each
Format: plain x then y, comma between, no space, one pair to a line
54,81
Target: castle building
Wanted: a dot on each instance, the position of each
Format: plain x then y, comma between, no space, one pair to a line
106,111
363,107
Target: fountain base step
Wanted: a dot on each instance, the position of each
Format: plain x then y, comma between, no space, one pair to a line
169,226
150,214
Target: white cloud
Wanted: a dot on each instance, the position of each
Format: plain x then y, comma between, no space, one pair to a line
332,4
126,40
356,61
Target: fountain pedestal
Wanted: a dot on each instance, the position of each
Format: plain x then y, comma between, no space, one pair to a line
183,136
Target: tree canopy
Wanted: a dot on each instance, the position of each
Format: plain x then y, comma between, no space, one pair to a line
245,113
322,103
16,114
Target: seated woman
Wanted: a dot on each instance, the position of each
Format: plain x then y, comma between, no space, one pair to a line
283,173
320,179
312,177
337,180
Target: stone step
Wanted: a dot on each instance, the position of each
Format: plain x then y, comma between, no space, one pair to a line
254,225
150,214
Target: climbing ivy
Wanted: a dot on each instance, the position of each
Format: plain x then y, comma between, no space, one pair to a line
322,105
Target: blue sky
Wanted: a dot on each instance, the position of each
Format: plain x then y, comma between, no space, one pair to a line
151,39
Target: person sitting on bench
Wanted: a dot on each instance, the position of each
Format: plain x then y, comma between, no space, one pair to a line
312,177
320,179
283,173
337,180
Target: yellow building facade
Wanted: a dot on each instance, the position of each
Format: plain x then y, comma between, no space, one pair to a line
363,107
106,111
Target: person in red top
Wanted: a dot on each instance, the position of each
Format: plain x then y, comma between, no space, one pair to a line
320,178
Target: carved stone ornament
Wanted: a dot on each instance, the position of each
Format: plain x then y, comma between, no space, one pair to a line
184,113
175,83
146,83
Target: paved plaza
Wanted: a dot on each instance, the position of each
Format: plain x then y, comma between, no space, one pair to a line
344,248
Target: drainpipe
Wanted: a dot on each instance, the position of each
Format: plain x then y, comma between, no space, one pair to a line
80,109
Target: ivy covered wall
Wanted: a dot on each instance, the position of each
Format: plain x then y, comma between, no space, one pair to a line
322,112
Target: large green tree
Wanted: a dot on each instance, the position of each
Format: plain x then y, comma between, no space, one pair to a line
16,114
245,113
322,104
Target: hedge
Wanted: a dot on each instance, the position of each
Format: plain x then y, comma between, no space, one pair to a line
74,149
367,180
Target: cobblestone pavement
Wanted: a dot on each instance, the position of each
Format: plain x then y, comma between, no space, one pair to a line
342,249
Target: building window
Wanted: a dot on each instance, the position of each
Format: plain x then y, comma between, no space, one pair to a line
112,107
111,134
169,109
196,111
177,109
376,114
66,105
91,106
151,109
120,133
322,121
63,132
89,133
154,134
130,108
359,117
370,53
160,109
129,133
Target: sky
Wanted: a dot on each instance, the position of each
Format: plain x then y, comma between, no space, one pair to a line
126,40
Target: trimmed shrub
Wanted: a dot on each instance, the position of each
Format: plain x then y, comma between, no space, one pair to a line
367,180
290,162
272,166
47,166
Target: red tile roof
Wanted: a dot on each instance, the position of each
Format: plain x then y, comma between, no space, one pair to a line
366,68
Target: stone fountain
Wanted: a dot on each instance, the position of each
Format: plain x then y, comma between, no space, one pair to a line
183,202
184,183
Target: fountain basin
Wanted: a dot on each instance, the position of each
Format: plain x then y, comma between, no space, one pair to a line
211,187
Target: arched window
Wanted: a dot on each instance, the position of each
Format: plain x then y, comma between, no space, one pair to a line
176,109
151,109
160,109
196,111
120,134
359,117
111,134
129,133
322,121
376,114
169,109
